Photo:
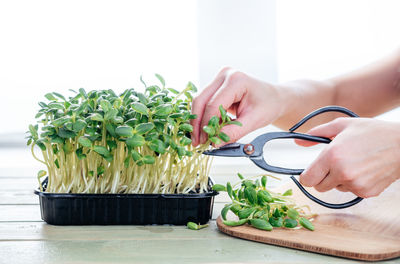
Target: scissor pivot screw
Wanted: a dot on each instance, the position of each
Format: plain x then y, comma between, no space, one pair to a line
248,149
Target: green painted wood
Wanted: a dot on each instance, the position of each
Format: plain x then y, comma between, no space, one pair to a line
19,213
22,197
42,243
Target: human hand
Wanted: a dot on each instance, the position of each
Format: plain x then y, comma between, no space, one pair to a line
254,103
363,157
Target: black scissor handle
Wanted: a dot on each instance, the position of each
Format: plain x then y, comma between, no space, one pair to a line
300,123
325,204
260,141
331,108
259,161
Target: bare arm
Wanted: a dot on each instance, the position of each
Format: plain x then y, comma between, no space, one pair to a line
369,91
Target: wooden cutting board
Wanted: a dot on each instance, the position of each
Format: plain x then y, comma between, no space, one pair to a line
368,231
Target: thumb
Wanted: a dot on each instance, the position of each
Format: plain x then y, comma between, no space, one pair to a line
328,130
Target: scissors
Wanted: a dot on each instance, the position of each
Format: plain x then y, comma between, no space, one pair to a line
254,151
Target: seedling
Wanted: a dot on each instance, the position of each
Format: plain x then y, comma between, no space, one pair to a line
100,142
263,209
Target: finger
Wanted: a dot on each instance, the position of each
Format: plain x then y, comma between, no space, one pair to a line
199,103
231,92
328,130
342,188
236,132
305,143
317,171
328,183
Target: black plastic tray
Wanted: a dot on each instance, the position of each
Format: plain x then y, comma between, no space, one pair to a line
125,209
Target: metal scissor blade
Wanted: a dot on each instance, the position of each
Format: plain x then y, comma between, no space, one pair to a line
230,150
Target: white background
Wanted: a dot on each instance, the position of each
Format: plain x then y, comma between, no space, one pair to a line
57,45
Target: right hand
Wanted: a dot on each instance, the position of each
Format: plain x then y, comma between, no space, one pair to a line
254,103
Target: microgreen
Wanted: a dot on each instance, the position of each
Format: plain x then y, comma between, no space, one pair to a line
263,209
100,142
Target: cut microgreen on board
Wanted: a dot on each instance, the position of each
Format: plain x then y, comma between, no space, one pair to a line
100,142
261,208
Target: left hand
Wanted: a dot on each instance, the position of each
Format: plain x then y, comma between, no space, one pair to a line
363,157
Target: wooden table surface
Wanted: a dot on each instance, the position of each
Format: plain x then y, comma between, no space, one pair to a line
25,238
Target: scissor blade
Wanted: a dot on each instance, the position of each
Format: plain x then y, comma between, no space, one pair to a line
230,150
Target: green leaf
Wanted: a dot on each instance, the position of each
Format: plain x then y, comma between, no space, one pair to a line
153,89
142,98
144,128
41,173
82,108
54,105
141,80
78,125
111,144
105,105
222,112
292,213
100,170
213,122
132,122
111,129
147,159
57,163
264,181
251,195
290,223
304,222
276,221
101,150
59,96
157,146
288,192
161,79
33,131
136,155
240,176
181,151
186,127
185,141
229,189
225,210
163,110
215,140
140,108
173,91
39,114
64,133
111,114
135,141
83,92
189,96
43,105
126,161
124,131
84,141
264,196
79,154
224,136
57,139
50,96
234,123
219,188
191,87
96,117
